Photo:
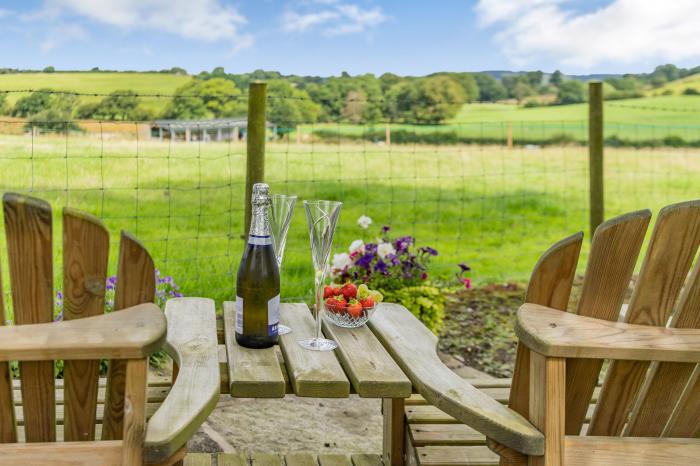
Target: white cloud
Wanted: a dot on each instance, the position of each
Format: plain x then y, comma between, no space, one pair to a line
206,20
336,18
61,34
624,31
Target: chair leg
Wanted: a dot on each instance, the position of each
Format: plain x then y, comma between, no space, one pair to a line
135,411
394,431
547,406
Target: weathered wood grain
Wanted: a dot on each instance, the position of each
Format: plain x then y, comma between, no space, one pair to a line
669,256
413,347
192,344
85,256
252,373
8,397
684,420
547,400
372,372
62,454
394,427
140,331
311,373
134,411
136,284
630,451
29,243
614,250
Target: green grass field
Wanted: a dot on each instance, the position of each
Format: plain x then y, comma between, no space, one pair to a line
100,83
493,208
678,86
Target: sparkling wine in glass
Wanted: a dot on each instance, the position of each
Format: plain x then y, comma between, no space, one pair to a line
322,217
281,209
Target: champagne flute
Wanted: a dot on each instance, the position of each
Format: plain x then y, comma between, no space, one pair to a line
322,217
281,208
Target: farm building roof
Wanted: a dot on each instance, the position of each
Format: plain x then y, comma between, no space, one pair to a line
213,123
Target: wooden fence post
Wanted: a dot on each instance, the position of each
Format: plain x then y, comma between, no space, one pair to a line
255,136
595,154
298,134
509,134
387,134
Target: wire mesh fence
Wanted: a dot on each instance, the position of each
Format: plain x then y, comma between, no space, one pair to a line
491,194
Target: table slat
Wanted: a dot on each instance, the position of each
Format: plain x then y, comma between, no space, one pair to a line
253,373
370,368
312,373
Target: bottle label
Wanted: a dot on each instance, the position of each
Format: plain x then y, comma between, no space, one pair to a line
273,315
260,240
239,315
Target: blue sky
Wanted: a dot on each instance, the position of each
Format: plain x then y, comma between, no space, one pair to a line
325,37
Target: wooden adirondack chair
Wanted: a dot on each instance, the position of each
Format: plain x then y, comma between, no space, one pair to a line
648,408
33,414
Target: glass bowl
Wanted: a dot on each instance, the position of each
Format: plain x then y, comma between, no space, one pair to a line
343,319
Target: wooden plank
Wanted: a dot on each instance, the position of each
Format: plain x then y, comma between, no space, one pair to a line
547,398
364,459
134,411
614,250
565,335
631,451
85,256
259,458
550,285
136,284
445,434
152,408
197,459
300,459
62,454
156,393
312,373
252,373
413,347
29,244
669,256
667,381
372,372
432,415
134,333
231,459
456,456
330,459
8,431
192,345
684,420
393,417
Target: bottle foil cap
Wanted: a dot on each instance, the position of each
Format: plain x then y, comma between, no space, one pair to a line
261,194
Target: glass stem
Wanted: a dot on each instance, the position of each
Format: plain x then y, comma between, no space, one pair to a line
320,278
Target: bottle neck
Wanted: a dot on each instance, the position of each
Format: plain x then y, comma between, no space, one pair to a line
260,225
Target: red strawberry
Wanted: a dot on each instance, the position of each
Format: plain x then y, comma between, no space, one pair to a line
327,292
367,302
330,304
349,290
336,290
340,304
355,309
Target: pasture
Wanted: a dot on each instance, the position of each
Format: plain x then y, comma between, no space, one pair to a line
493,208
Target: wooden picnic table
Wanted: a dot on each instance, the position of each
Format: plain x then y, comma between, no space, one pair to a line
359,365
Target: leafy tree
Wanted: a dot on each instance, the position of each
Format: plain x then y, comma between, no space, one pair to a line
206,98
289,106
571,92
355,102
51,120
387,80
534,78
522,89
49,69
32,104
557,78
4,106
119,105
490,89
428,100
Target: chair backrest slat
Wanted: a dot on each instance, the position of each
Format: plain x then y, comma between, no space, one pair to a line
8,430
669,257
666,380
550,285
614,250
29,243
85,257
684,420
136,284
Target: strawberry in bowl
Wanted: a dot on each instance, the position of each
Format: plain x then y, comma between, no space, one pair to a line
350,305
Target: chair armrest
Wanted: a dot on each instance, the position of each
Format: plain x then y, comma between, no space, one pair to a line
193,346
554,333
132,333
413,347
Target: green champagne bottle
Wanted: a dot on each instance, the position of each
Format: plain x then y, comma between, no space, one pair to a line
258,281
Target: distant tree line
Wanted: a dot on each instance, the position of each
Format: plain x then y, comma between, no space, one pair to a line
366,98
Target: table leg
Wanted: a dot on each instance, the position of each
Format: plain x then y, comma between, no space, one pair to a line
394,431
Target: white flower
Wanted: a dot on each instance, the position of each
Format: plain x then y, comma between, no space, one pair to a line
384,249
364,221
356,245
341,261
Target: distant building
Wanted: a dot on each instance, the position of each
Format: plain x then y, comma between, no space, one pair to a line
217,129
